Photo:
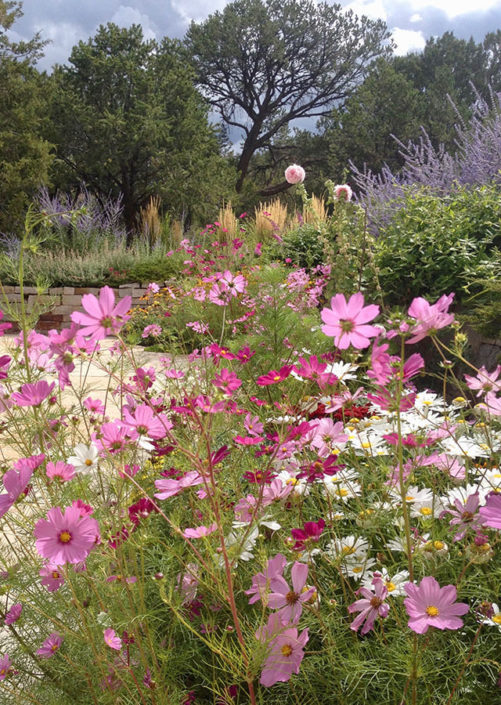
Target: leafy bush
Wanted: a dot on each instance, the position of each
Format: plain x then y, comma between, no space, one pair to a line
435,244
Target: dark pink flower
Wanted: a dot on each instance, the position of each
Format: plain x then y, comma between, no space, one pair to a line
13,614
102,317
310,533
274,376
146,422
227,381
65,538
50,645
429,605
346,321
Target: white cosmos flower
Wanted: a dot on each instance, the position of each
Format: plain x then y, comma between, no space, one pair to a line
85,458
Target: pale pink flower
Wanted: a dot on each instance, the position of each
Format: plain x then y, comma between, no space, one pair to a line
33,394
52,577
429,317
169,487
429,605
112,640
492,404
261,581
199,532
16,480
290,602
60,470
491,513
102,317
295,174
372,606
342,192
13,614
5,662
153,330
485,381
286,651
346,322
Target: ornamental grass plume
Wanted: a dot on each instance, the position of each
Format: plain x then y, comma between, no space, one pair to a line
429,605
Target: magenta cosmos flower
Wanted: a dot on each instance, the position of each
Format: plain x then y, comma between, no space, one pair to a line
295,174
5,666
346,321
50,645
32,394
102,317
429,605
13,614
66,538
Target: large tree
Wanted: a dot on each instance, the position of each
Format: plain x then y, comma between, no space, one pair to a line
128,121
24,154
265,63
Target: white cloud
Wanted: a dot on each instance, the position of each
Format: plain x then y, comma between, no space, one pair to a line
374,9
452,8
196,10
416,17
407,40
126,16
62,36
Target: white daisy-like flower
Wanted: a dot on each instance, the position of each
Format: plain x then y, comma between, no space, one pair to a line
239,549
495,619
340,490
357,570
299,485
352,549
426,401
490,480
413,495
394,583
342,370
85,458
462,493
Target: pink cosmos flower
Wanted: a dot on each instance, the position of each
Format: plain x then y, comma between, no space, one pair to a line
66,538
465,516
102,317
429,605
346,322
50,645
295,174
371,607
16,480
253,426
33,394
325,435
485,381
492,404
13,614
52,578
227,381
491,513
147,422
286,651
5,361
169,487
273,377
5,664
153,329
95,406
342,192
112,640
429,317
290,602
60,470
261,582
199,531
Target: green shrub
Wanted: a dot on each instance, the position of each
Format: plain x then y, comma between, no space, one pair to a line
438,244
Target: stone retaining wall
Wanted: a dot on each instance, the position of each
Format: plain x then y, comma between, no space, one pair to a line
65,299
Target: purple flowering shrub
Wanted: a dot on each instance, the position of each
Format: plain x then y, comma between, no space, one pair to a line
215,529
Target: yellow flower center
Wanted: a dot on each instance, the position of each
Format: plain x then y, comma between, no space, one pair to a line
497,619
348,550
286,650
341,492
432,611
65,537
409,498
276,378
426,511
88,462
438,545
55,574
390,586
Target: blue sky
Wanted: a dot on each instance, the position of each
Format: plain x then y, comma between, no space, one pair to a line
65,22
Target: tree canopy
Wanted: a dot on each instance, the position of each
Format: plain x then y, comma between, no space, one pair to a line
264,63
129,122
24,155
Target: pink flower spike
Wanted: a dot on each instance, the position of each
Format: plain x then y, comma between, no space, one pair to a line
102,317
112,640
346,322
50,646
429,605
